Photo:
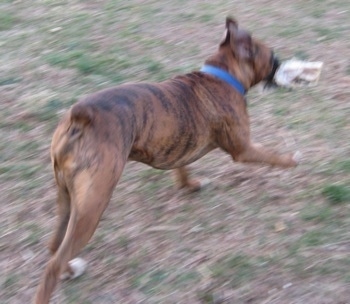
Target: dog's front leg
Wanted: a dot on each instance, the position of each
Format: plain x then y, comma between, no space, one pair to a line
256,153
184,181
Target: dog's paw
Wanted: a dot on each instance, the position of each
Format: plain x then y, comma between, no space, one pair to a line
77,267
197,185
297,156
204,183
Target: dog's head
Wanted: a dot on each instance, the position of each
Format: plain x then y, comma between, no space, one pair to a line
247,58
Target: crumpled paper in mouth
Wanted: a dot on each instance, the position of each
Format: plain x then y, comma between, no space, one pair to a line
293,73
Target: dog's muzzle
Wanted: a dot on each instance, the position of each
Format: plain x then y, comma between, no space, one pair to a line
269,80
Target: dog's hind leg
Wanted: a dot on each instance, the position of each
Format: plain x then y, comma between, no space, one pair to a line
184,181
63,212
90,193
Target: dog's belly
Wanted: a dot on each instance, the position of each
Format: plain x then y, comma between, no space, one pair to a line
170,157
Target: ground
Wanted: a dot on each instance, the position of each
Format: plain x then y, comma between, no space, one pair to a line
255,234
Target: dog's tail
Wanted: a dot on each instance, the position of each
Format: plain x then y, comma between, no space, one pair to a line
80,116
71,128
81,113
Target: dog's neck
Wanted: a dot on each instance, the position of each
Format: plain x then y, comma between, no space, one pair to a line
224,76
222,61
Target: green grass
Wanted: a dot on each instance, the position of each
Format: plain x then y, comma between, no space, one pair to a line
9,81
235,269
151,281
7,20
348,70
10,284
302,55
73,294
343,166
337,194
34,234
291,31
312,238
10,280
317,214
327,33
20,170
185,278
48,112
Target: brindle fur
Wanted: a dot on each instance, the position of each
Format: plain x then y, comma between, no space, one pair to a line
166,125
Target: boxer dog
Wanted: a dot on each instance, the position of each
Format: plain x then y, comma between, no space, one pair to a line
166,125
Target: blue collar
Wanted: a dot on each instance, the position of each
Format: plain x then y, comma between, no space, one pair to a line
225,76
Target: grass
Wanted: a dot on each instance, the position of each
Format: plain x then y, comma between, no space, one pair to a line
8,81
312,238
7,21
317,214
155,244
337,194
343,166
234,269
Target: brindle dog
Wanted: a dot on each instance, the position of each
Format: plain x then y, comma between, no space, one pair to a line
166,125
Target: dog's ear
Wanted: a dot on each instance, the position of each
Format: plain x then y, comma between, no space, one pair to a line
239,39
243,44
231,25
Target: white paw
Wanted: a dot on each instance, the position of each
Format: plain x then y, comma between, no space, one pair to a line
77,266
204,183
297,157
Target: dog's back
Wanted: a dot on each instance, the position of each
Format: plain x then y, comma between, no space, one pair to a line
164,124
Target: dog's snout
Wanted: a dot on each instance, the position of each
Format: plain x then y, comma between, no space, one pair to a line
275,63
